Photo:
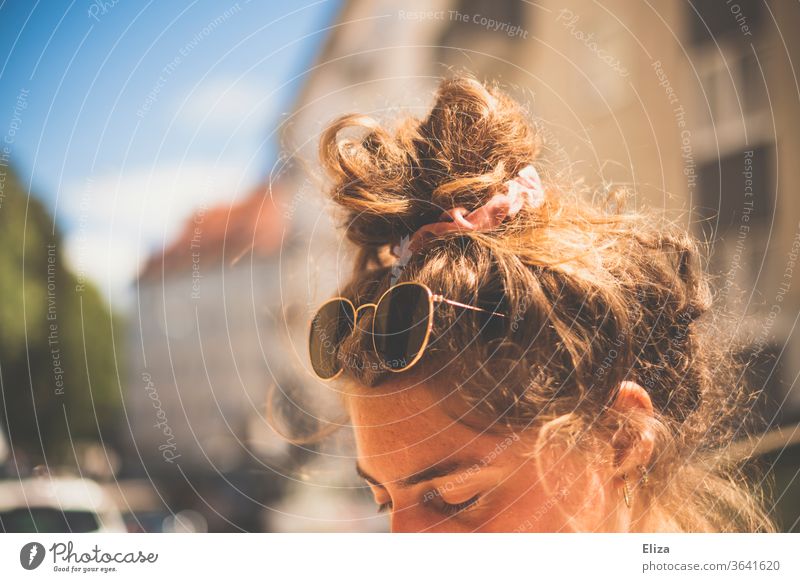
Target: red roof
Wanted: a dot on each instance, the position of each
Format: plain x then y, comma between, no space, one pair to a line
223,234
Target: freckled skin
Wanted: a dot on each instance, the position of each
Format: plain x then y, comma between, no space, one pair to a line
400,432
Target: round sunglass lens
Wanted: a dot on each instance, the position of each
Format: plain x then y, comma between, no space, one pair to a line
332,323
402,325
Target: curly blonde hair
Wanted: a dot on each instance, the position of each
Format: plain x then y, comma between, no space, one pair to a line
597,295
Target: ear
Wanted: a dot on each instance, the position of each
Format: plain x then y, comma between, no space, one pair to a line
634,441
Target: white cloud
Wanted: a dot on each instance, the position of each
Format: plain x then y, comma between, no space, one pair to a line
223,104
118,219
109,262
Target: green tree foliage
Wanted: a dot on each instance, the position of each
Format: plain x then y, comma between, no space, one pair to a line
59,378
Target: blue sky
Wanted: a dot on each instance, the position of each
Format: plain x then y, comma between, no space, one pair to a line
125,116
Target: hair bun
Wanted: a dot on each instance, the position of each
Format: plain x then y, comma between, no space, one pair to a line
391,183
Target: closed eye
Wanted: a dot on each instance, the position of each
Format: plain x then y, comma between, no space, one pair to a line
446,508
454,508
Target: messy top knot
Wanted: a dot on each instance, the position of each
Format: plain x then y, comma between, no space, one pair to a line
594,296
392,183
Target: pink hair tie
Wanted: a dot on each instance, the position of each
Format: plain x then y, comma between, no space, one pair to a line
525,188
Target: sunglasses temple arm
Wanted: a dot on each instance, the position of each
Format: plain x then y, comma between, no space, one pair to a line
465,306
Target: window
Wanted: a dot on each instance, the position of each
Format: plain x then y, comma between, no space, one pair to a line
735,204
712,19
737,185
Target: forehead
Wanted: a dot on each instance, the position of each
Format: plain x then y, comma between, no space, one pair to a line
403,430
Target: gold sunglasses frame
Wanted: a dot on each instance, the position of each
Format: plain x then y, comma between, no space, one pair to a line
433,299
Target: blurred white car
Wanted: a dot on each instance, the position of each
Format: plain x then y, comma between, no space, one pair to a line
49,504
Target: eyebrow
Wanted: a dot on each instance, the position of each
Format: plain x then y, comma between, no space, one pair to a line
433,472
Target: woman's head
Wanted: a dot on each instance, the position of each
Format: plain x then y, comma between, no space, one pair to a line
602,371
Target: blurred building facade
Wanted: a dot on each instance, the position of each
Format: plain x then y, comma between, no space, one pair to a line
204,351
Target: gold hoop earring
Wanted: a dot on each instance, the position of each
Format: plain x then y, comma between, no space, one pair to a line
626,490
645,476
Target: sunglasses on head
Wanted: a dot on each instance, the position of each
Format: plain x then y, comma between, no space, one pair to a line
401,327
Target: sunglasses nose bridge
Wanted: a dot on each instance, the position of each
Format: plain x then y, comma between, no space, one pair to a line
359,312
365,306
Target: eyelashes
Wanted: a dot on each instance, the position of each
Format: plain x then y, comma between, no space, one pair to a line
445,508
454,508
